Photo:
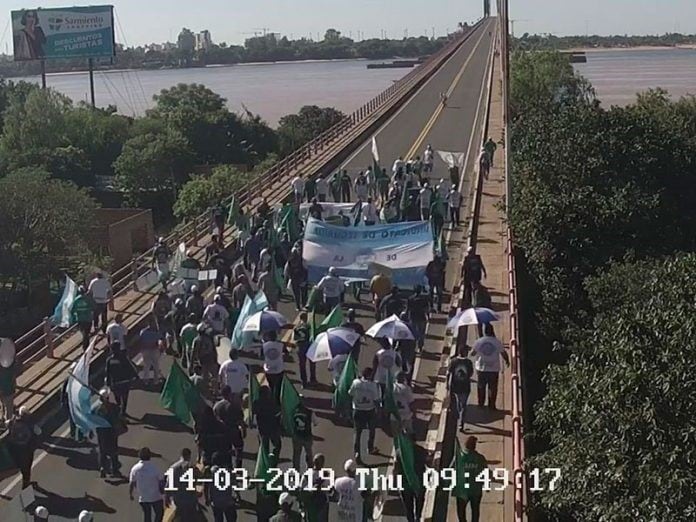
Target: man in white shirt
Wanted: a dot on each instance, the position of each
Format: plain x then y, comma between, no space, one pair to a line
425,197
370,213
444,187
488,351
100,290
117,331
350,500
147,480
428,158
298,188
361,187
336,366
386,360
403,396
454,201
371,177
235,374
216,316
398,165
332,288
273,364
365,397
322,188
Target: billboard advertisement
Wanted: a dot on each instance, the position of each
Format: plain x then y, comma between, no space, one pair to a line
69,32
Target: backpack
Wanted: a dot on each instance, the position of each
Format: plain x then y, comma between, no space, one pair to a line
461,376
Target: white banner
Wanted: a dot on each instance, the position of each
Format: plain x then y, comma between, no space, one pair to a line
452,158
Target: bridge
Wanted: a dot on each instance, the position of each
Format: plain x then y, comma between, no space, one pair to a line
404,118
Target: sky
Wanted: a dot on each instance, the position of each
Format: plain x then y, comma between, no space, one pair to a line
147,21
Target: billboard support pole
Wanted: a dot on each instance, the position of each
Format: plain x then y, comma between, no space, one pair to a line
43,74
91,80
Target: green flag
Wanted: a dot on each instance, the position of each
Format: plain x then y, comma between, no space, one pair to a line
375,160
253,395
312,299
179,394
333,320
289,401
264,462
350,372
233,212
313,327
406,454
390,405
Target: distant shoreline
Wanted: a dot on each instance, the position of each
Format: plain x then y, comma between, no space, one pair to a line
635,48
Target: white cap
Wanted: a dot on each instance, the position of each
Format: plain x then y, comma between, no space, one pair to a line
194,289
219,290
85,516
350,465
285,498
41,512
22,411
332,271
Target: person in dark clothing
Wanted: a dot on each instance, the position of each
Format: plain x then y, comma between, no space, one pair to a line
296,273
120,374
412,498
21,441
267,414
302,343
345,183
392,304
302,422
435,272
224,502
107,438
211,435
315,209
230,414
418,308
459,376
195,304
407,350
187,508
286,513
473,270
351,323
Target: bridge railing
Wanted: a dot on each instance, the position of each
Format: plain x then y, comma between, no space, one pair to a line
45,336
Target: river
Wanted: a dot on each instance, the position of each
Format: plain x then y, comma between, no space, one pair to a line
618,75
273,90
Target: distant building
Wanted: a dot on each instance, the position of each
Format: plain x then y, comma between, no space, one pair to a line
203,40
186,40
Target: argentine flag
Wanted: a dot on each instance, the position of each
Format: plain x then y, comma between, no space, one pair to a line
61,314
80,396
241,339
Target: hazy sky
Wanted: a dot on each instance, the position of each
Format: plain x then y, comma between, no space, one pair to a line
145,21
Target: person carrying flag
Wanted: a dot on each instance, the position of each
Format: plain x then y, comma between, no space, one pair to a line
366,396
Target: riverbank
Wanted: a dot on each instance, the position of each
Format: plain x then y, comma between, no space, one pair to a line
634,48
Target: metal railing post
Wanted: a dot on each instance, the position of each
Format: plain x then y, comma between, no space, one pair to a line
48,336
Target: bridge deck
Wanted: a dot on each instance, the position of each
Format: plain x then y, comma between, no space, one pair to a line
66,472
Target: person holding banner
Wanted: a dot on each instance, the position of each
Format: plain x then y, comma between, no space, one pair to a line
370,214
361,187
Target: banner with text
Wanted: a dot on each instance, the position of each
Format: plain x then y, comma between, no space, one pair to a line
361,252
66,32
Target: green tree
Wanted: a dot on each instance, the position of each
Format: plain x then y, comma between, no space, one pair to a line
153,163
619,414
294,130
45,223
202,192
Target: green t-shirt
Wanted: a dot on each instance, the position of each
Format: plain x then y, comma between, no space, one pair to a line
468,466
81,310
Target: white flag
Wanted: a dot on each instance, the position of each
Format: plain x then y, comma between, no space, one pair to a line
375,152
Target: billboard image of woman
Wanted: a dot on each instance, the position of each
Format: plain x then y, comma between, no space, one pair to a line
30,40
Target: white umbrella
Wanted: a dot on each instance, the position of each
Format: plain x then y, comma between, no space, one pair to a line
391,328
473,316
265,321
331,343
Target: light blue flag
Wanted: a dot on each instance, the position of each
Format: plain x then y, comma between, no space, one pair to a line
80,396
61,314
242,339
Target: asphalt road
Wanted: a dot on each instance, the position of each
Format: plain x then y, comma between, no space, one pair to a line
66,472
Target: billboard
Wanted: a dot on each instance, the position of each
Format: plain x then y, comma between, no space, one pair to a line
65,32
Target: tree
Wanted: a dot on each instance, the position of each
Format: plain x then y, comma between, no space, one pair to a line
294,130
153,163
202,192
619,414
332,35
44,223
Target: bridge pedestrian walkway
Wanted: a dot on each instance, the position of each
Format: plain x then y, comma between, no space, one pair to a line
493,428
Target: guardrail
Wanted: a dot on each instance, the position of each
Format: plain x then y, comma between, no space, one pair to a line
43,338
